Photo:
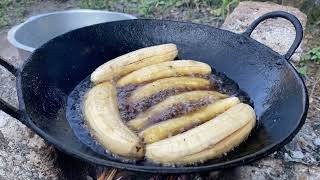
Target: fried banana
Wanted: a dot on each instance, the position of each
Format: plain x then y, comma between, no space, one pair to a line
164,70
174,126
222,147
103,118
143,118
190,83
132,61
202,137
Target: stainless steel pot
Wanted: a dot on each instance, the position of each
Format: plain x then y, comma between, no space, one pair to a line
37,30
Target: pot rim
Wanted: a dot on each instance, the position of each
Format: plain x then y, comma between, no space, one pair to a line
13,31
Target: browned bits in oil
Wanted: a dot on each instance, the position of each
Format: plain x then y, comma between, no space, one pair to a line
219,82
123,93
129,110
178,110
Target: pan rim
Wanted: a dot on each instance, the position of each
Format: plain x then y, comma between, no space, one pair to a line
165,169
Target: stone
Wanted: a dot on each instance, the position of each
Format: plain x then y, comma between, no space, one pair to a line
3,122
297,154
9,52
269,168
17,160
8,88
316,142
7,80
302,148
304,172
277,34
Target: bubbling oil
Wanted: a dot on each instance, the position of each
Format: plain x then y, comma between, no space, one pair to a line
75,117
74,111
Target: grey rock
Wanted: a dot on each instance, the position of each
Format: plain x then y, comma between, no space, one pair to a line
275,33
272,169
302,143
304,172
8,90
3,163
297,154
25,161
7,51
316,142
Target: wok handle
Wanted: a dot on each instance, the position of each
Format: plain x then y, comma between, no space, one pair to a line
275,14
4,106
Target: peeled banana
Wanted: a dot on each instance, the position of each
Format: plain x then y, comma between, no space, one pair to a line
210,123
202,137
143,119
164,70
132,61
149,89
220,148
174,126
103,118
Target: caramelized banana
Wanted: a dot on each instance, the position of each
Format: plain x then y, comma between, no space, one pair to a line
202,137
103,118
149,89
132,61
164,70
142,119
174,126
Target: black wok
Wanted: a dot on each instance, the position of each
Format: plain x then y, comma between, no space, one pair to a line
278,93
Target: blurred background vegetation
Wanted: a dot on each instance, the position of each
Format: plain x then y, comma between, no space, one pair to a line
219,8
13,11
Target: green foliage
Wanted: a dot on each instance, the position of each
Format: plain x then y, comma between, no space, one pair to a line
312,55
94,4
146,7
225,7
5,3
302,70
312,10
3,18
218,7
13,11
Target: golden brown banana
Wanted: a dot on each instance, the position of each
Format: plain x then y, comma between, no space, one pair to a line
143,119
202,137
164,70
174,126
149,89
132,61
220,148
103,118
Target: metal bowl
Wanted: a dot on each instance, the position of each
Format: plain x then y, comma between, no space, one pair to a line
37,30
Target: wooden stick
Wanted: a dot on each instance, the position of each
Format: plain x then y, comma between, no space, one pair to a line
112,174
